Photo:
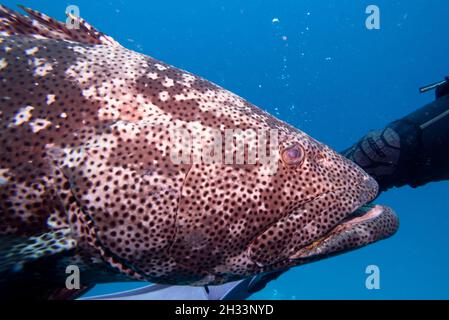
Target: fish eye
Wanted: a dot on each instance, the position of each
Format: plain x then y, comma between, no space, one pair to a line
293,155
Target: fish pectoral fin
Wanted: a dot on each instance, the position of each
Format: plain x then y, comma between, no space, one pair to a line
15,251
38,24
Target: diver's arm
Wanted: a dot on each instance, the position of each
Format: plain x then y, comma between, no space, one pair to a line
410,151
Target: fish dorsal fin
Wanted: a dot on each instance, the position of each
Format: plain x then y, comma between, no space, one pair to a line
39,25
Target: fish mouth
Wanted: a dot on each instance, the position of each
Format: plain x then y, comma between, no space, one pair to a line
367,224
291,241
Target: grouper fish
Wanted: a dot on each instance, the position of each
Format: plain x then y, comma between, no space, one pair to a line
88,177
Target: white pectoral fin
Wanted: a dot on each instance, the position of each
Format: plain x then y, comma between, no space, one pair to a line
231,290
155,292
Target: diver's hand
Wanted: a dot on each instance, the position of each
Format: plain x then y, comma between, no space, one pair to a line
410,151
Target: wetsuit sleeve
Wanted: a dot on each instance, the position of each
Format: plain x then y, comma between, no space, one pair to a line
410,151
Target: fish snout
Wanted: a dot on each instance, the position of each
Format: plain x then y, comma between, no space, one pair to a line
343,174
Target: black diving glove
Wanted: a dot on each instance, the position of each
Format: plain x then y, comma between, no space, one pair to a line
410,151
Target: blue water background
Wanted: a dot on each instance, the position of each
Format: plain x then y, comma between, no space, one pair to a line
321,70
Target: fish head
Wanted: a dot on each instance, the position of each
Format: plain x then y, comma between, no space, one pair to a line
305,203
319,200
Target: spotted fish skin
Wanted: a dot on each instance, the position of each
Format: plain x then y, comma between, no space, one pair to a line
85,142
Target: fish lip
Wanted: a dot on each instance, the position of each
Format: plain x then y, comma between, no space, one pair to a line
368,213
